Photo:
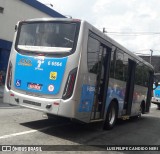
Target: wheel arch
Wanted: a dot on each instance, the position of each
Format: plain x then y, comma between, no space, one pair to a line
107,123
115,101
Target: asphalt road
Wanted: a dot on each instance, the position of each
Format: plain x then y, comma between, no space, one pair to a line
21,126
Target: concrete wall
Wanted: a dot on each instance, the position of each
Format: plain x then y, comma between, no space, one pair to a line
15,10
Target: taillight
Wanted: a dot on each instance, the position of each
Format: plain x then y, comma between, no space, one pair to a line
68,90
9,76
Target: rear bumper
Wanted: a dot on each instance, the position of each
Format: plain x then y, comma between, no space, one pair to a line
53,106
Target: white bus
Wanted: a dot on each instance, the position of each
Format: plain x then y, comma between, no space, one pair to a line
67,67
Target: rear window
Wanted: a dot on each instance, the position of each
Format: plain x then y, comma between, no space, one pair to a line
46,35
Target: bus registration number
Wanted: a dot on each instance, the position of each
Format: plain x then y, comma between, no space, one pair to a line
34,86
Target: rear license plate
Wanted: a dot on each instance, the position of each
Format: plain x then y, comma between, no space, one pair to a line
34,86
32,103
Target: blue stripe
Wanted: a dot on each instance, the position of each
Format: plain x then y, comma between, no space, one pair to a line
43,8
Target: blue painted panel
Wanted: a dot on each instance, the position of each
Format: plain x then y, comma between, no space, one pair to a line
43,8
4,57
156,92
87,98
5,47
44,72
5,44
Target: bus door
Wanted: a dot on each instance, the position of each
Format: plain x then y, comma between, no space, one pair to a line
129,87
149,93
98,108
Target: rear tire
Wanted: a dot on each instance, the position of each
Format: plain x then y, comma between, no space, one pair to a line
111,116
158,106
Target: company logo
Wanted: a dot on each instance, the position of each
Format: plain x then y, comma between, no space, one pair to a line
25,62
50,88
53,75
40,62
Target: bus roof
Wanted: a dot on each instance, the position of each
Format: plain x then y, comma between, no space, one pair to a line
97,31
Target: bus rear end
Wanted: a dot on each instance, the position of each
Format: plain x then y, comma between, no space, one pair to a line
41,72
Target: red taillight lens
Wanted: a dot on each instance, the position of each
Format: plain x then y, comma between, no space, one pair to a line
68,90
9,76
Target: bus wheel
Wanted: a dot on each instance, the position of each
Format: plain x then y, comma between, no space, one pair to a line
111,116
158,106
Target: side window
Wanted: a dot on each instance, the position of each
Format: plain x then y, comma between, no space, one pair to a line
119,69
142,75
145,76
93,55
119,65
139,74
125,67
113,62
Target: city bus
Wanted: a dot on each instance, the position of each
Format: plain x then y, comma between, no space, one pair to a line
68,68
156,91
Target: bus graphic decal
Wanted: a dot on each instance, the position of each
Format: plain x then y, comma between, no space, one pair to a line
39,73
53,75
87,98
25,62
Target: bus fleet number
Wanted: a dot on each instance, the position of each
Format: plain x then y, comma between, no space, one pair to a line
55,63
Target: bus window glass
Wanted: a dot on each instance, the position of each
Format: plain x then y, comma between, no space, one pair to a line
50,34
112,67
156,77
93,55
139,74
145,76
125,63
119,70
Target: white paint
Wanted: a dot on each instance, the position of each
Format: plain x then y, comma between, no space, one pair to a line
29,132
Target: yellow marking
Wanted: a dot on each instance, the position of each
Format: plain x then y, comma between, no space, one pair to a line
53,75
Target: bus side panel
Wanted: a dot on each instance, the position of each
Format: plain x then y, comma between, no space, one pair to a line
116,90
69,107
85,80
140,94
